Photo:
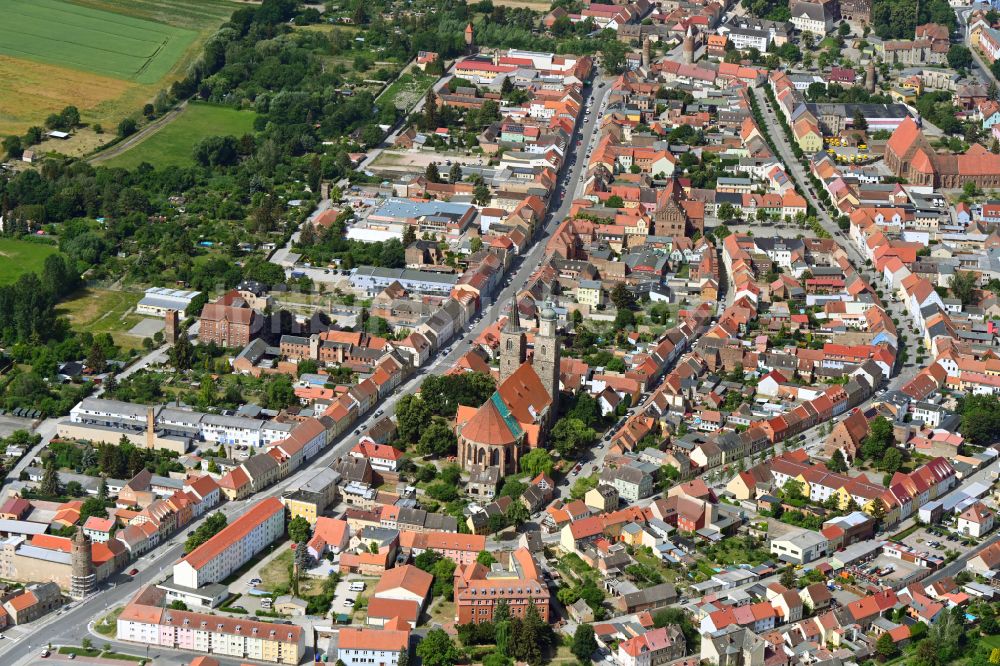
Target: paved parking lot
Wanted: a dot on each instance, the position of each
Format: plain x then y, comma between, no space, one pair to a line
343,600
9,423
922,539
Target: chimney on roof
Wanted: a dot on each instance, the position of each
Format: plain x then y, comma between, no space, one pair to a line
150,428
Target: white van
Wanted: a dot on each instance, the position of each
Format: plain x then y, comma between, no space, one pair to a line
357,586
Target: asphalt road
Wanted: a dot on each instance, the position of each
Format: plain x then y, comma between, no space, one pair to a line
141,135
71,627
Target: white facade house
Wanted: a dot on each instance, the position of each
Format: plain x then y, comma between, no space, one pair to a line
381,456
811,17
240,638
233,547
178,423
976,521
799,546
370,647
746,32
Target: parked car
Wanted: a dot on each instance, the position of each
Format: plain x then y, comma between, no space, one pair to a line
132,572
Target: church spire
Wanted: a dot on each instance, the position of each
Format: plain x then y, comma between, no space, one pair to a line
514,318
513,343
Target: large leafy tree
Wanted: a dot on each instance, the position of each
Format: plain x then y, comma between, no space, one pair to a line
980,419
879,439
963,285
570,436
437,649
584,642
437,439
537,461
412,416
837,462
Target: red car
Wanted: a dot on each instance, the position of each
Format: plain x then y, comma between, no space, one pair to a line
133,572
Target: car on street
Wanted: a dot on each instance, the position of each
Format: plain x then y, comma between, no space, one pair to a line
133,571
255,581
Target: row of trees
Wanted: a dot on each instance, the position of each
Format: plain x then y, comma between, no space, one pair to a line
27,307
208,529
527,640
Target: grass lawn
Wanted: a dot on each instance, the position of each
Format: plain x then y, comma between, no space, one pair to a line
275,575
173,144
108,624
19,256
123,657
443,611
907,532
564,655
653,562
79,651
103,311
360,611
990,641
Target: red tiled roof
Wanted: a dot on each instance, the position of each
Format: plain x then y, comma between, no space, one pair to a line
232,533
487,426
373,639
408,577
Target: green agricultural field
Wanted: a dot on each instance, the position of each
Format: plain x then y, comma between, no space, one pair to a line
174,143
106,57
96,41
18,256
191,14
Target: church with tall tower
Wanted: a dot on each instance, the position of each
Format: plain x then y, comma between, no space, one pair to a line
520,412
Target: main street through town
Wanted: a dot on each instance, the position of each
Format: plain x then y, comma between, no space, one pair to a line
72,625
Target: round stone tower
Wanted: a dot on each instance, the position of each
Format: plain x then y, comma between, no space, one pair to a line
470,37
688,47
82,580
